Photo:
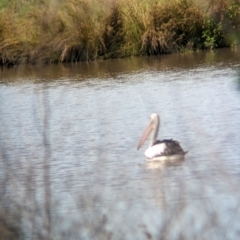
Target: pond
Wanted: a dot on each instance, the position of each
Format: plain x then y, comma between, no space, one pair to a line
69,165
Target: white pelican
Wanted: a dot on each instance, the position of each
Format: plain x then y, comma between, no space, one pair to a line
160,150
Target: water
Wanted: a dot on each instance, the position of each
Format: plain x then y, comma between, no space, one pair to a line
68,143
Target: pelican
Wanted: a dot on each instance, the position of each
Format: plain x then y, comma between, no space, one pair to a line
160,149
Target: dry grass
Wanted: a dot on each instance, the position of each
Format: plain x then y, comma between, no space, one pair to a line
76,30
175,26
9,228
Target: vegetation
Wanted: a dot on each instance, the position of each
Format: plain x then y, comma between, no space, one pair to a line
34,31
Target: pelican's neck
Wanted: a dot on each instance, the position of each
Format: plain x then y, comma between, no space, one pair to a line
156,122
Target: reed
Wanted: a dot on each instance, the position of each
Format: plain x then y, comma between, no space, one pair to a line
175,25
34,31
9,225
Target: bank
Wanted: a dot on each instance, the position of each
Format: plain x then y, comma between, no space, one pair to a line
33,31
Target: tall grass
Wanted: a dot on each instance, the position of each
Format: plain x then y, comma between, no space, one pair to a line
69,31
175,25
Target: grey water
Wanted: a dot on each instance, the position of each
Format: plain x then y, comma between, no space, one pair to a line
68,144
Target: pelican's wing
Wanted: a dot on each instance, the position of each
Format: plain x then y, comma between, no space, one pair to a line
172,147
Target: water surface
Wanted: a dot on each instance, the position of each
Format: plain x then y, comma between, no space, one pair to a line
68,143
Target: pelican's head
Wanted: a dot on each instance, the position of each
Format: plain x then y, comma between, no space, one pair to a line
152,126
154,117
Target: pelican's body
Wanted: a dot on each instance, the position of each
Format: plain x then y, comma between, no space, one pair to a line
160,150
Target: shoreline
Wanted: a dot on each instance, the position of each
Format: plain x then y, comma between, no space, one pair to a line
85,30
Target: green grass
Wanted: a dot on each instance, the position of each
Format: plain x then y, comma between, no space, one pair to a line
33,31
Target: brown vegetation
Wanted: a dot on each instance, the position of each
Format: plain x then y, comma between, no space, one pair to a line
57,31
